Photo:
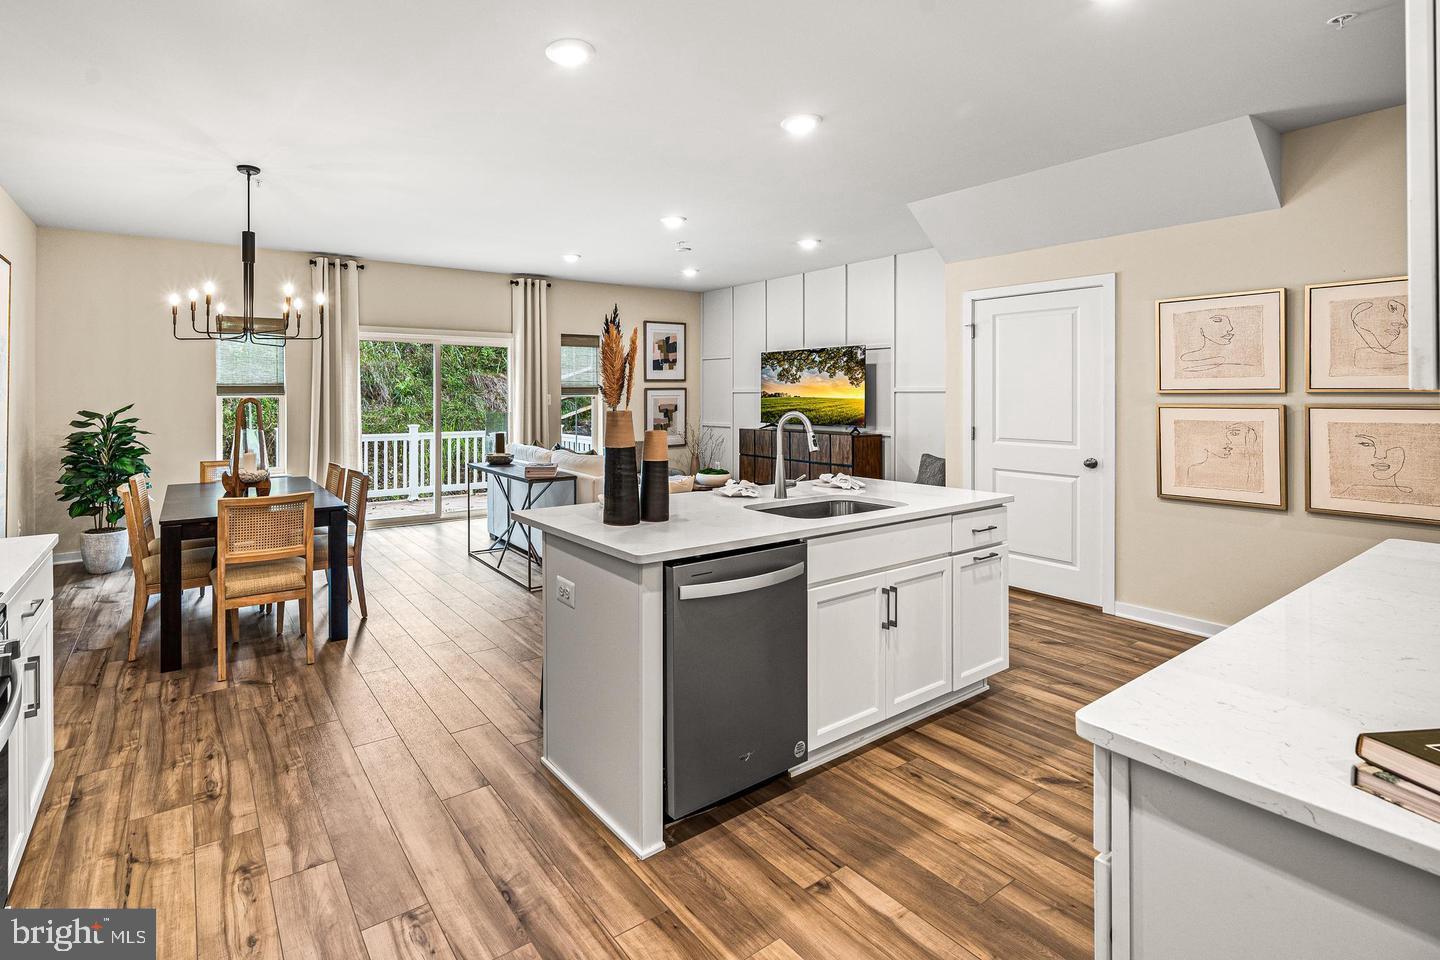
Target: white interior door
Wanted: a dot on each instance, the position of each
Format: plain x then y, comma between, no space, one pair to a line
1043,409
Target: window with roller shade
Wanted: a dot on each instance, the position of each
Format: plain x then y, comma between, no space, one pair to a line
579,392
250,370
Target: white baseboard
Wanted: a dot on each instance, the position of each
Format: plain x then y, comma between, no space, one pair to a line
1171,621
602,814
67,556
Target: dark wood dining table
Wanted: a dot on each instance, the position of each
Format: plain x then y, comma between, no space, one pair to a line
190,512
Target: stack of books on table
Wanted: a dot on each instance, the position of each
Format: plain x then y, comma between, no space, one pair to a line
535,470
1402,766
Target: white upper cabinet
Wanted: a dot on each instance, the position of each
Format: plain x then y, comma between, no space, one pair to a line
717,309
785,313
1422,39
825,307
870,302
919,320
749,335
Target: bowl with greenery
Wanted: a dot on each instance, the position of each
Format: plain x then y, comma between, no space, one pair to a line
712,476
102,452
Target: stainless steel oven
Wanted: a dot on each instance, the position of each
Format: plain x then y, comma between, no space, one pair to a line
10,706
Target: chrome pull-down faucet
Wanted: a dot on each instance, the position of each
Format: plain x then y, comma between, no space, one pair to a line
780,447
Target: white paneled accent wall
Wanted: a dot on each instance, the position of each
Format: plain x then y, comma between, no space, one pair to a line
894,306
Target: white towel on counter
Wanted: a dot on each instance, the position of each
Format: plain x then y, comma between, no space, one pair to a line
841,481
742,488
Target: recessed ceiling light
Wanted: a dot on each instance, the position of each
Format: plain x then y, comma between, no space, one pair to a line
673,222
801,124
690,272
807,243
571,258
570,52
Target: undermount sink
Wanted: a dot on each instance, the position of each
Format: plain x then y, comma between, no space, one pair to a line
817,508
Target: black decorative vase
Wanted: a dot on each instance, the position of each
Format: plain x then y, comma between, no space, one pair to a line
622,483
655,478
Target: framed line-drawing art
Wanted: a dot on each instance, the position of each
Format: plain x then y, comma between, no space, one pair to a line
1229,453
1357,336
665,410
5,271
1374,461
664,350
1221,343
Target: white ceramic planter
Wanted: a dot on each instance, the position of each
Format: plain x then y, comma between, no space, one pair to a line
103,551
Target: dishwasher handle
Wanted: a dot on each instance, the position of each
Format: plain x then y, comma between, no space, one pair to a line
725,588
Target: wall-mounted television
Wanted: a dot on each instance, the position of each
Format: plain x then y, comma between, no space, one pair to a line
825,384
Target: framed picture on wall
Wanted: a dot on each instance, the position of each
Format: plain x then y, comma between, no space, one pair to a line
1231,453
1221,343
1357,336
1378,461
664,350
665,410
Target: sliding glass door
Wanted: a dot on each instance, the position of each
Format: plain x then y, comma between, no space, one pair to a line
429,405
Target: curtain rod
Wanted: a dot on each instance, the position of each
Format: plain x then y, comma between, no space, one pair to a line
516,280
343,266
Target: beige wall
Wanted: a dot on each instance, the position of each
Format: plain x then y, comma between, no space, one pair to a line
1343,217
17,244
105,339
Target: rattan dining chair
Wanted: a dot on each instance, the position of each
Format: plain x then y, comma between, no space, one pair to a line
356,494
263,555
210,470
140,492
334,478
194,563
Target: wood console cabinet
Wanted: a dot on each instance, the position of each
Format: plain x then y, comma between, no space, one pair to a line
860,455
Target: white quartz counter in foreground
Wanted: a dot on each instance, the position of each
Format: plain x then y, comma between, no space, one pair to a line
703,522
1268,710
20,556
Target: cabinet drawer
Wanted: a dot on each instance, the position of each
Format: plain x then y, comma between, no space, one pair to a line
983,528
25,604
851,554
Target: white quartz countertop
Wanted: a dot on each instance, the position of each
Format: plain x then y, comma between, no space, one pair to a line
1267,711
703,522
20,555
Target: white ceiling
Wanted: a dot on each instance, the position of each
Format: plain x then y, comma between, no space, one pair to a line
436,131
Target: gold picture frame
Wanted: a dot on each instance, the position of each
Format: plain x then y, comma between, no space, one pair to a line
1267,464
1380,479
1398,372
1263,348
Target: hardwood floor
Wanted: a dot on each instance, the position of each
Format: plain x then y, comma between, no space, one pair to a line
389,802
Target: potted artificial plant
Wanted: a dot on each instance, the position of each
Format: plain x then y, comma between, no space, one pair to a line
102,453
617,380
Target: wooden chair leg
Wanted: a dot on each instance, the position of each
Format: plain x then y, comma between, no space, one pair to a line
307,620
137,619
359,587
233,614
280,619
221,653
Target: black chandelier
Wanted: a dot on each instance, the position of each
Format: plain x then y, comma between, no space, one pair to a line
219,325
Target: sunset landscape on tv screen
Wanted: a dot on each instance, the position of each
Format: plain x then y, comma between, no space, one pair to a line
826,385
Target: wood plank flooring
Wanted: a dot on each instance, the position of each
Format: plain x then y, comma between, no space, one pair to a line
388,801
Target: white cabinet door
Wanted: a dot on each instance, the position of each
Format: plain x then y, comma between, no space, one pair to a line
785,313
982,614
847,657
37,730
919,636
18,817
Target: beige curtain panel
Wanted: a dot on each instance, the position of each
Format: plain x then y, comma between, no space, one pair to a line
335,368
529,318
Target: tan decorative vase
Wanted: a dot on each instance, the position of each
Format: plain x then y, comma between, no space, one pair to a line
622,480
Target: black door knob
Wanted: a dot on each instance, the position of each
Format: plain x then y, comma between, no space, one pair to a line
1091,463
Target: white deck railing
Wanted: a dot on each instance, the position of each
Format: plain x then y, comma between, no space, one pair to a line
399,463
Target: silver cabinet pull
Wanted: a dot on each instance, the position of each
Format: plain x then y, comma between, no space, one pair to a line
988,556
984,529
33,663
724,588
892,607
35,606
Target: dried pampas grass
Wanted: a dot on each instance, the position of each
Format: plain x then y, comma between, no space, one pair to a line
631,356
617,364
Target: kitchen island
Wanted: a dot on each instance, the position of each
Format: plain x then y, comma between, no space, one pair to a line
1224,814
937,551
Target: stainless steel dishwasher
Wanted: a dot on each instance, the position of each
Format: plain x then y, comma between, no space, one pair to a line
735,673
